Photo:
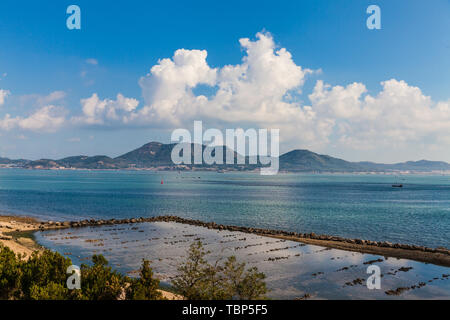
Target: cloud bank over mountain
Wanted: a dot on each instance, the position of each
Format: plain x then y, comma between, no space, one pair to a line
263,91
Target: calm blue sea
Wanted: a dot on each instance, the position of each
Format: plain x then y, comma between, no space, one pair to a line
355,206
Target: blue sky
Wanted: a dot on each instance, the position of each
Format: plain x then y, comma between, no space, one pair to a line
120,41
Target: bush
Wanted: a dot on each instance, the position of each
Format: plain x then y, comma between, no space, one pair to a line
43,271
10,274
191,281
199,280
43,277
99,282
146,287
52,291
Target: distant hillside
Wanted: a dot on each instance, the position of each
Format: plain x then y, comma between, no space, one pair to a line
155,154
307,161
9,162
4,160
422,165
96,162
158,155
149,155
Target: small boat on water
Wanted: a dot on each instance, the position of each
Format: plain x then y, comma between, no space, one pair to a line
397,186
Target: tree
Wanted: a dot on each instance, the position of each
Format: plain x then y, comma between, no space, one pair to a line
43,269
191,280
252,286
44,275
199,280
243,284
99,282
146,287
10,274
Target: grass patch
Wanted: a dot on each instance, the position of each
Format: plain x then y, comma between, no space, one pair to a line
21,234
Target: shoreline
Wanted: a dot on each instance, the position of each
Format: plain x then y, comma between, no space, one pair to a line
255,171
16,233
438,256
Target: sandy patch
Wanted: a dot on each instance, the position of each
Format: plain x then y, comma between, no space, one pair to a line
13,234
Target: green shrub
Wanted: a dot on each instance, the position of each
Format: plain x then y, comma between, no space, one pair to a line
191,281
199,280
10,274
43,270
52,291
99,282
146,286
43,277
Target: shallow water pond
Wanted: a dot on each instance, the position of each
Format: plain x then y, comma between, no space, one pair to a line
293,269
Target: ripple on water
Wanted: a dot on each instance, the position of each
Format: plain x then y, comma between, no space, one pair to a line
293,269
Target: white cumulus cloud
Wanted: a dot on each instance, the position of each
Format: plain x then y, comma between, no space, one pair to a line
262,92
256,92
46,119
103,112
400,115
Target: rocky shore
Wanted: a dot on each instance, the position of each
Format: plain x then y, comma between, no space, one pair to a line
438,256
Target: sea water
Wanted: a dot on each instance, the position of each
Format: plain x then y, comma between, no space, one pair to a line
351,206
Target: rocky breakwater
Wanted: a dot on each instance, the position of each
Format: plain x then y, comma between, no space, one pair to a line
439,256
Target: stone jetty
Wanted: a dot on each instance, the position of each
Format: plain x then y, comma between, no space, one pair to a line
440,255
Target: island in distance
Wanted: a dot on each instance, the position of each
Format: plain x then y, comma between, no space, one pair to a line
157,156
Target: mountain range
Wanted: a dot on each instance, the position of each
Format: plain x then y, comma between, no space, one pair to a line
155,155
